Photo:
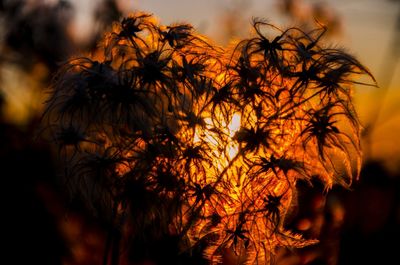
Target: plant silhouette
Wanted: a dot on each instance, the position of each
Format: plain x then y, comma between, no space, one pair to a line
172,139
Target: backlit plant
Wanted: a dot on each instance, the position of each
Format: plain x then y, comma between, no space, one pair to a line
169,136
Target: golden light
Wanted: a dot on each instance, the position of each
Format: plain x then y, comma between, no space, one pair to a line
233,127
230,129
211,141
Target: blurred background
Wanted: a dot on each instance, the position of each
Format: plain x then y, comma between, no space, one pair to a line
43,225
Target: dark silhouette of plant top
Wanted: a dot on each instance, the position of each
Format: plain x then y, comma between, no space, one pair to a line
168,136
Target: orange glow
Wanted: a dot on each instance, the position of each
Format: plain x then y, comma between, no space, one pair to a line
225,133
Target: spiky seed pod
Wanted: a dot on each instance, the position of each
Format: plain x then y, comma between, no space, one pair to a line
205,145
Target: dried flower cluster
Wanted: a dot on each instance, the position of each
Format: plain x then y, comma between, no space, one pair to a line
170,135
